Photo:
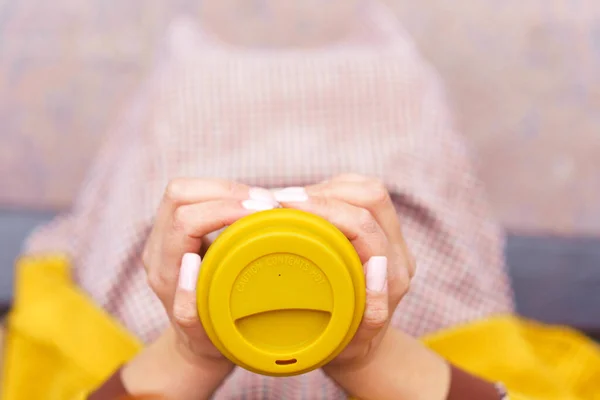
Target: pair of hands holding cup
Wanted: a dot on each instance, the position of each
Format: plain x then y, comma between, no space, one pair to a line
359,207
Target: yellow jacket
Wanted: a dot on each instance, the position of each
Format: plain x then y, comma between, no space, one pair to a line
60,345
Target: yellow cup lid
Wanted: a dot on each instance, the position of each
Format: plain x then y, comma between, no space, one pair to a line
281,292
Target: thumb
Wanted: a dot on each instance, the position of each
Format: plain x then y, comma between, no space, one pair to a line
185,312
376,309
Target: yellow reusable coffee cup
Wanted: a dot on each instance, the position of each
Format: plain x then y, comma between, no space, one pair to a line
281,292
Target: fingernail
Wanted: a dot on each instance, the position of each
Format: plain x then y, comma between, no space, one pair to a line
377,274
258,205
291,195
261,194
188,273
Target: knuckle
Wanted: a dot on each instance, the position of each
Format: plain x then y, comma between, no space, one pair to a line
367,223
185,314
180,218
404,258
330,205
327,208
399,285
402,290
176,190
323,203
157,281
231,188
378,193
376,314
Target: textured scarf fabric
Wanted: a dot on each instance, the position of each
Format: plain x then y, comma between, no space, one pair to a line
367,104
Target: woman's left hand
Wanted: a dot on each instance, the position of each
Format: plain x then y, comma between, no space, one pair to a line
362,209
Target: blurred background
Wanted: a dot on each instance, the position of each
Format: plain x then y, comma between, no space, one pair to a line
523,77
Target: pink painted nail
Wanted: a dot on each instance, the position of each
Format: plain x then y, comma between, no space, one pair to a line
377,274
261,194
291,195
258,205
188,273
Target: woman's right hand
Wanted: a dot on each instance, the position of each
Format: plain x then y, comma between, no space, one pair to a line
190,209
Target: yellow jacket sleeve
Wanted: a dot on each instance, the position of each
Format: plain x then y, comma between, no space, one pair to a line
533,360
